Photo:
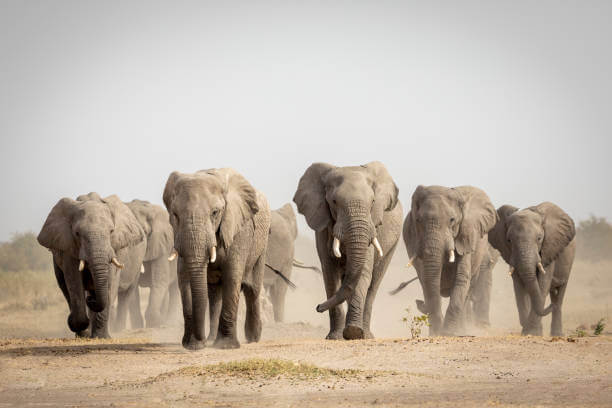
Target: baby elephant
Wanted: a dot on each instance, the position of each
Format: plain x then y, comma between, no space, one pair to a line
538,243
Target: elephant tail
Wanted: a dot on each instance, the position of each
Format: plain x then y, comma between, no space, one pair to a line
300,264
402,286
283,277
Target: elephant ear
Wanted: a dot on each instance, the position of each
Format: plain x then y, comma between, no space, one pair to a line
310,196
385,191
286,211
497,236
169,190
155,223
240,203
410,237
127,230
478,217
56,233
559,230
93,196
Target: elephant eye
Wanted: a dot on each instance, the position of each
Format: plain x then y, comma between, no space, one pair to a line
452,219
215,212
509,241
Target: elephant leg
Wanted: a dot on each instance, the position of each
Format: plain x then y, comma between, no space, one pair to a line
120,321
252,293
214,301
458,296
278,292
378,272
159,270
61,282
556,297
173,303
482,297
227,336
136,320
331,278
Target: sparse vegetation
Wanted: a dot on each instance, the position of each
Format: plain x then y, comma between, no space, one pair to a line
23,253
599,327
417,323
578,333
256,368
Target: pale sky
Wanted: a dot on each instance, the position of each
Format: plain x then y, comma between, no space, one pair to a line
111,96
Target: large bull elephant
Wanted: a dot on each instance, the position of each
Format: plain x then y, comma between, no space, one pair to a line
356,217
221,225
280,258
539,245
159,273
446,238
91,239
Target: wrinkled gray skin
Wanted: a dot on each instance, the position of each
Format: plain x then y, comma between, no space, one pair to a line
218,210
94,230
354,205
480,298
159,273
543,233
444,220
280,257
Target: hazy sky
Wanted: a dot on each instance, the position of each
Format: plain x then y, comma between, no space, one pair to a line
513,97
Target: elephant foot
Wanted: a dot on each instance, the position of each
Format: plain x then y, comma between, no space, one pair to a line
353,333
334,335
211,338
253,332
368,334
102,334
226,343
83,334
193,344
530,331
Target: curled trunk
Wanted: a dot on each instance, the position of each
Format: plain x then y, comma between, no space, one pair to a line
356,242
535,294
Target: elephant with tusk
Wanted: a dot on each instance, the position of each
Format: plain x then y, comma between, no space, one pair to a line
446,238
221,225
539,245
357,217
98,248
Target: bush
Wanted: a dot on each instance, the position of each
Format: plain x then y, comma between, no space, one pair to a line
594,239
23,253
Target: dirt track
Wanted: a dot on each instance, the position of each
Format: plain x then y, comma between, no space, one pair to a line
470,371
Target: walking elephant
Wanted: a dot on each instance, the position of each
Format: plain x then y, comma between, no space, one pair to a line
91,239
539,245
357,217
280,258
221,225
159,273
480,298
445,234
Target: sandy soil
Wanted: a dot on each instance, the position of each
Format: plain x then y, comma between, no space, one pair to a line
41,364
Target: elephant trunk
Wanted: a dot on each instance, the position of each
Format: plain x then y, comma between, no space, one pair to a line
433,253
357,238
100,269
530,280
197,272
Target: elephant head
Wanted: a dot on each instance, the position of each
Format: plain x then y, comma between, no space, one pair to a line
155,222
91,230
529,240
207,209
350,203
444,222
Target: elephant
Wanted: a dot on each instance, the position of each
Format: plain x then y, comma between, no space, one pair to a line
539,245
480,298
91,239
159,273
280,258
357,217
221,225
445,234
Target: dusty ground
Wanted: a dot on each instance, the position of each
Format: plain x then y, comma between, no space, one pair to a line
41,364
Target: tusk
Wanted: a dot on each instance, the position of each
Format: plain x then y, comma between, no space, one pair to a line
142,270
298,262
541,268
451,256
213,254
81,265
409,264
377,246
118,264
511,271
336,248
173,255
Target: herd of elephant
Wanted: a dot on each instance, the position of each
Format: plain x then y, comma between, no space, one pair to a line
218,237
